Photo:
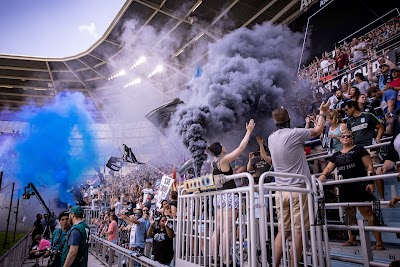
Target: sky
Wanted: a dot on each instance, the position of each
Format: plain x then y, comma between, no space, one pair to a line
54,28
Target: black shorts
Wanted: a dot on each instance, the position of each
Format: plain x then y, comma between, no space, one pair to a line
354,192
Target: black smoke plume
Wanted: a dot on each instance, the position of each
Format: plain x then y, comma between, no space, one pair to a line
248,74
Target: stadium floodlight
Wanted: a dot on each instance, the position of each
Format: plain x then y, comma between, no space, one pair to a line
158,69
141,60
118,74
134,82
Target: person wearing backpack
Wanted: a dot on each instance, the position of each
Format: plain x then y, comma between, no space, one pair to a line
76,249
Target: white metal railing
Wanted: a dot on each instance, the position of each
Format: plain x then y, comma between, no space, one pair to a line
91,213
227,216
124,257
365,242
315,240
16,255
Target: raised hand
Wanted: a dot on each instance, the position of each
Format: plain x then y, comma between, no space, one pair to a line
250,125
260,140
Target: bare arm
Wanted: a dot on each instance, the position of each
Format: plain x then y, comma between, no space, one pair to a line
319,127
227,159
370,76
380,132
129,219
263,153
328,170
173,211
169,232
249,165
73,251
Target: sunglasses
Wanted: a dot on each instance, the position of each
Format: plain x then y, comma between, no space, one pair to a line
346,136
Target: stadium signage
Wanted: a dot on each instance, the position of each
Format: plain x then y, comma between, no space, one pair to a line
338,80
306,3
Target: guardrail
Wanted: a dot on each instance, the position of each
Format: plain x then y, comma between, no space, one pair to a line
365,242
214,225
16,255
124,257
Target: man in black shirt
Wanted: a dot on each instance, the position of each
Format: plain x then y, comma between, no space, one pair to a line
362,125
37,228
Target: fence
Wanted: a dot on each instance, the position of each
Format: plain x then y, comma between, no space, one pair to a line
91,213
366,251
16,255
100,248
212,226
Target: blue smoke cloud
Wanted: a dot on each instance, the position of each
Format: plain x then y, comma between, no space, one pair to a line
46,155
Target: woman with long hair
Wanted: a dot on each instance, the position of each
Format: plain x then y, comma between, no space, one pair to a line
354,93
336,127
222,165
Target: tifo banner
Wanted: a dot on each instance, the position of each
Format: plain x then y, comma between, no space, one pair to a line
163,190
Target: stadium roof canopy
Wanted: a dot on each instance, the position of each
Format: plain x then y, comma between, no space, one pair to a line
26,80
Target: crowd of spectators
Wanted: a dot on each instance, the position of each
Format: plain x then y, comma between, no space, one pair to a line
347,55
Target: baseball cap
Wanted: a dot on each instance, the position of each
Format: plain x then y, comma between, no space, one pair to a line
76,210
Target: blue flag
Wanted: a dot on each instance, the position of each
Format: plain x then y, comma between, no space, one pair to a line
198,72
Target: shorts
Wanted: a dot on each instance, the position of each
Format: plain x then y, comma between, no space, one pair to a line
354,192
296,210
225,201
316,150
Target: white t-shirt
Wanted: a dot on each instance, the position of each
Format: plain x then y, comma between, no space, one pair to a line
118,207
146,192
324,65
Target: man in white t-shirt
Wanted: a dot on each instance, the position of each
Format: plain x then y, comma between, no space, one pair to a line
147,191
118,207
358,50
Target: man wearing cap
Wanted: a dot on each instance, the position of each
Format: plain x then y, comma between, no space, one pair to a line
385,76
395,84
287,152
75,251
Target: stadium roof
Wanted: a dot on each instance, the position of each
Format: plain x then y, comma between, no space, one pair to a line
26,80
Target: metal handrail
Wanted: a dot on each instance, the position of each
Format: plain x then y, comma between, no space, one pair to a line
16,255
122,252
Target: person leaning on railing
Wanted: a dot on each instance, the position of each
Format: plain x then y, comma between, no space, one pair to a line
354,161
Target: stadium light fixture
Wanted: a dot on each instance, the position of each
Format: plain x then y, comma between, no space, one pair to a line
118,74
141,60
134,82
158,69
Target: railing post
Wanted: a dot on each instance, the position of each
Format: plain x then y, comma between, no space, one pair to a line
365,241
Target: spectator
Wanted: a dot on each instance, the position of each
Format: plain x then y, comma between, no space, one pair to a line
363,106
287,152
353,161
58,237
75,253
358,50
173,202
37,228
341,60
138,231
354,93
259,162
39,250
395,84
361,83
148,191
224,203
336,127
163,248
384,77
112,234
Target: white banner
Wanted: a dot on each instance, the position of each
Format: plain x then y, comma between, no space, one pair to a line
163,190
